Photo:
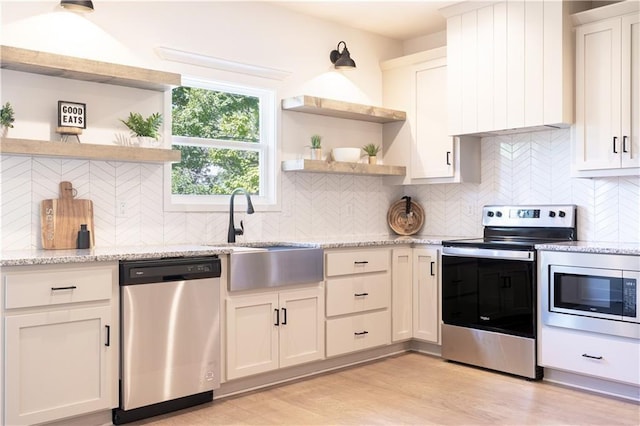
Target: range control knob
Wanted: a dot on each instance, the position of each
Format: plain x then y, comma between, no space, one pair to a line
561,213
498,214
552,214
490,214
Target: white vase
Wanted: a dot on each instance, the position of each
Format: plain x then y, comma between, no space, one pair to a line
316,153
148,141
3,131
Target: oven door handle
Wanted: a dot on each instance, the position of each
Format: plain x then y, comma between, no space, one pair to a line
526,255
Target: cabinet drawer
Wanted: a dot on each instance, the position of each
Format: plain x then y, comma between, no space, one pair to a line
357,262
607,357
357,293
53,287
358,332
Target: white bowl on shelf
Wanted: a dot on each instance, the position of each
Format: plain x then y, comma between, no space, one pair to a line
347,155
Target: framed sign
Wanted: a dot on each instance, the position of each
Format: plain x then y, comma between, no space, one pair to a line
72,114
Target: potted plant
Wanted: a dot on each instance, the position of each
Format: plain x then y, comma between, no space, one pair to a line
6,118
146,129
372,151
316,147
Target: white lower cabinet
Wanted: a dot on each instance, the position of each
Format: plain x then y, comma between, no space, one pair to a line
416,294
401,294
274,329
591,354
358,300
60,351
426,302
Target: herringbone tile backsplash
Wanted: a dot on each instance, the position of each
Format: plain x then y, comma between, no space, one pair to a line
531,168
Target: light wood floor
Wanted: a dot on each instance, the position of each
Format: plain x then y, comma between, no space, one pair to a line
411,389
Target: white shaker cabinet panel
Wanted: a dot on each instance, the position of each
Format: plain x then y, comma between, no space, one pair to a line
500,72
401,294
486,89
607,100
515,64
469,75
426,301
418,83
454,74
433,151
274,329
534,64
510,65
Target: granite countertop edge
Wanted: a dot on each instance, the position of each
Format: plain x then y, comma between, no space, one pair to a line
115,254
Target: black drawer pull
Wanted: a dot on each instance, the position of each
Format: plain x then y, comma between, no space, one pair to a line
108,329
624,144
277,311
284,313
431,266
71,287
361,333
361,262
615,139
360,294
448,158
591,356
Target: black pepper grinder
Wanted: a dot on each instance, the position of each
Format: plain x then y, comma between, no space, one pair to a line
84,237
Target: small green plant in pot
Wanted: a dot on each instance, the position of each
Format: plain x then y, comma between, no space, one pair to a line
144,127
7,118
372,151
316,147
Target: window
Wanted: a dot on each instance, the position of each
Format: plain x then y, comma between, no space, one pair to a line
226,135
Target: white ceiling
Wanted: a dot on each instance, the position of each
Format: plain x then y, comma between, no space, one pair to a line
400,20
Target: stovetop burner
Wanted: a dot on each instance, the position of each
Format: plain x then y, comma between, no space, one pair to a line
522,227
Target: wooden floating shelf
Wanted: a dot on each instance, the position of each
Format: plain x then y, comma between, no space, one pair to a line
87,151
321,166
340,109
54,65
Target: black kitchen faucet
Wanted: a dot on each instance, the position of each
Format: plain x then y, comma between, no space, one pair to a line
233,231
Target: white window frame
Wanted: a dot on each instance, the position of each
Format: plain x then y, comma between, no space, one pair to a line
267,149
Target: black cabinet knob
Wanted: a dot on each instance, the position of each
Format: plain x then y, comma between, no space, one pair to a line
552,214
561,213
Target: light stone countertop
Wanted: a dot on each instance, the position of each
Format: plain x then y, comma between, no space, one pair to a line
593,247
114,254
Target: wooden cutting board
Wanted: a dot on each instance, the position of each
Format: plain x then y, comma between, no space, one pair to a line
61,219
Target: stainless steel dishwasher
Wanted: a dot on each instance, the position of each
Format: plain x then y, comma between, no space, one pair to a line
170,335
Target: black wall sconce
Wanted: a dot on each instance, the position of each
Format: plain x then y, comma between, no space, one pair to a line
77,6
342,59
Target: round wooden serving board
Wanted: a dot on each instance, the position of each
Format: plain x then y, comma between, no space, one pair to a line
403,223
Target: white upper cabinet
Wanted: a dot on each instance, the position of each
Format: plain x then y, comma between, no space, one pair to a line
509,66
418,83
607,140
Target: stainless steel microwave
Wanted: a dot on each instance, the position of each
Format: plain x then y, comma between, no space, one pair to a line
597,293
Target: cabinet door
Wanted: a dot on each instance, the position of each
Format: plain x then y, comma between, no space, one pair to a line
401,294
426,318
57,364
252,334
301,326
630,34
598,85
432,155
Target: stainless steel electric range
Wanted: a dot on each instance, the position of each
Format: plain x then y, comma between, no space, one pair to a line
489,287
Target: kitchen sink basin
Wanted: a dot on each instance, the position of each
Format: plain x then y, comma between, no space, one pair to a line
274,266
